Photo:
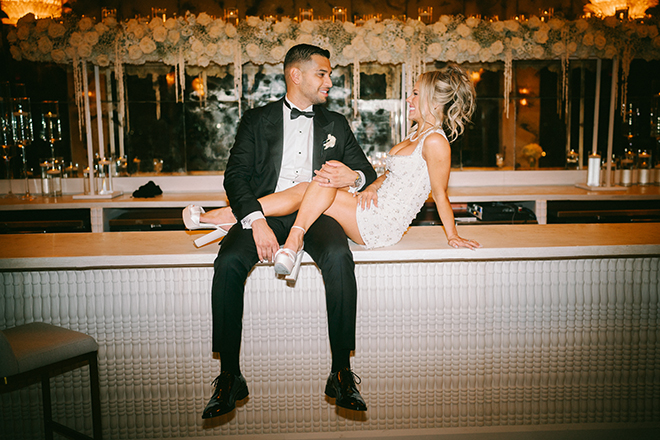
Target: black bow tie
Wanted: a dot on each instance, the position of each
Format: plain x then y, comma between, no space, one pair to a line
295,113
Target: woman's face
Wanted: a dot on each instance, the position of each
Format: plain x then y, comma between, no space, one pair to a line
414,113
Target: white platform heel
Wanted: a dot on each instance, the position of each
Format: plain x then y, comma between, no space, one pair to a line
287,262
191,215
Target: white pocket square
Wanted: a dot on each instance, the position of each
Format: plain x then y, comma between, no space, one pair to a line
329,142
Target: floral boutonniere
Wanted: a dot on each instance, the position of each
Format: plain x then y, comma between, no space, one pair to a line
329,142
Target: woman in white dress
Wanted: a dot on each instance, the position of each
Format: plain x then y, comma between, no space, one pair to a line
441,102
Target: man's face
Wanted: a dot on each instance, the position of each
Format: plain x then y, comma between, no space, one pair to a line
315,80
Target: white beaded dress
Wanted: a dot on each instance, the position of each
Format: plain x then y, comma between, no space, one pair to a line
400,198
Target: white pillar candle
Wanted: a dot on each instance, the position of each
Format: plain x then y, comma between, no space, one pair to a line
593,173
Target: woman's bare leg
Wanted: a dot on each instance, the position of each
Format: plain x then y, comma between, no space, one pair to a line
318,200
274,205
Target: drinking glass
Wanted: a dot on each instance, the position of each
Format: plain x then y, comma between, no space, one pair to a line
23,135
51,126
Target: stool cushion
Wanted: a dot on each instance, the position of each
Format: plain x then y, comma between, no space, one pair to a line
38,344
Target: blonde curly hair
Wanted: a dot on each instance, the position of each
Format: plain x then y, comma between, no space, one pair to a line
449,97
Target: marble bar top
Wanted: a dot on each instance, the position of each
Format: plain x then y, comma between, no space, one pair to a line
456,195
421,243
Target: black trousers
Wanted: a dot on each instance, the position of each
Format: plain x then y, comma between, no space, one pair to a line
325,242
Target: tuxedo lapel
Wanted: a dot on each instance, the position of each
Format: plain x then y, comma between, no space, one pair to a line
274,135
321,130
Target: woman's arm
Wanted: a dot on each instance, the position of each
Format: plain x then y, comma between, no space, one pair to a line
437,153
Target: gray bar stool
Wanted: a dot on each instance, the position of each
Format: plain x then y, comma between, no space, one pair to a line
36,352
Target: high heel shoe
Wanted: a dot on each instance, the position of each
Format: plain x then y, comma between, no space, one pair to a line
287,262
191,215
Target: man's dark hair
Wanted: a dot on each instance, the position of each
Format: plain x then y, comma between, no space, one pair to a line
302,53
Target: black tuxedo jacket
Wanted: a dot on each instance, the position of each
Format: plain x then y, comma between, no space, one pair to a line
255,159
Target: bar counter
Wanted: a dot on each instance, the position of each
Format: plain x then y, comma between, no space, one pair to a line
537,196
547,327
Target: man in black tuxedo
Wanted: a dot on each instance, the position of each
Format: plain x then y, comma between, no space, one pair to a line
277,146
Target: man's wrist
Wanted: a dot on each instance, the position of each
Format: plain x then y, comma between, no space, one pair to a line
247,221
358,183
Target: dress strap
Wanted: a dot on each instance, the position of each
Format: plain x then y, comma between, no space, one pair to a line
423,138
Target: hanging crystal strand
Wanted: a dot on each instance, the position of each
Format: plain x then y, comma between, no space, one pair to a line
77,84
626,59
238,75
182,74
565,71
206,89
356,86
176,82
508,80
127,116
156,87
121,97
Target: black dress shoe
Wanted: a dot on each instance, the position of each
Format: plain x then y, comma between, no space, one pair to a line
228,389
341,386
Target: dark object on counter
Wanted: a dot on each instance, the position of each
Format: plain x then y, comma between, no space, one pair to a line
150,189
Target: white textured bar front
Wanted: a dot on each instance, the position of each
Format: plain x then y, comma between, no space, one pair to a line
439,345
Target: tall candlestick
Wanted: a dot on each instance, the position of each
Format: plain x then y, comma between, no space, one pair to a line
594,143
111,122
88,126
610,134
99,112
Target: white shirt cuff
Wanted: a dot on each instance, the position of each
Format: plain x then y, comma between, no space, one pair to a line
354,189
246,222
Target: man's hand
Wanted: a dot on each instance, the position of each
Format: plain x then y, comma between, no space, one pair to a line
264,239
334,174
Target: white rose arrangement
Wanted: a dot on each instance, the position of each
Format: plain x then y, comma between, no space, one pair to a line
203,40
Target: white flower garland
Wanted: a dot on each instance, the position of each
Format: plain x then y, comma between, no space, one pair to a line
201,40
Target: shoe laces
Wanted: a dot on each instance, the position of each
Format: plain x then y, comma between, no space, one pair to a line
352,376
223,376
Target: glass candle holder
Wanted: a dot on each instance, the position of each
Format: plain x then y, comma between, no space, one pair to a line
108,13
105,176
51,125
51,176
231,16
499,160
21,119
644,168
627,164
46,180
305,14
425,15
572,160
339,14
159,12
